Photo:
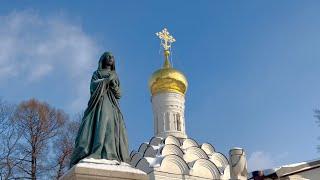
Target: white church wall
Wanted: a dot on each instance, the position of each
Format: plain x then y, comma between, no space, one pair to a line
168,110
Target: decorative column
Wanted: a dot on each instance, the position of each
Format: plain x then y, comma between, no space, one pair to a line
238,164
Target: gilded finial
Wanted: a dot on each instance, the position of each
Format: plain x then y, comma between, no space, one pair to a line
167,79
166,41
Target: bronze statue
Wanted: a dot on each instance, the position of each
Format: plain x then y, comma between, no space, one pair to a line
102,133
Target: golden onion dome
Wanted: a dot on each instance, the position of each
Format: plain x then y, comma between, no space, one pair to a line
168,79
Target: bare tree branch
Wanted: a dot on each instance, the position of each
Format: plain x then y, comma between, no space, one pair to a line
39,123
65,143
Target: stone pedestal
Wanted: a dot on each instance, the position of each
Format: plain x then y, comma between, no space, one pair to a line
88,169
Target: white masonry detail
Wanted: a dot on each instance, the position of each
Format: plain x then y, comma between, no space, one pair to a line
168,112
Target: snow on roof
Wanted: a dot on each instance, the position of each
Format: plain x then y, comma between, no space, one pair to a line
163,154
112,165
288,168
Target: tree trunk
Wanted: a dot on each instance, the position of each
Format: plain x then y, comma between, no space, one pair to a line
33,165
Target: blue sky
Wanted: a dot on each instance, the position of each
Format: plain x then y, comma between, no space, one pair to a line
252,66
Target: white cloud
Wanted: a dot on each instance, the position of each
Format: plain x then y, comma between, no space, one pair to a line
34,48
39,71
259,160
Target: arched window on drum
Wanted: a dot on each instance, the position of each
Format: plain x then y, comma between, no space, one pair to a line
167,121
178,119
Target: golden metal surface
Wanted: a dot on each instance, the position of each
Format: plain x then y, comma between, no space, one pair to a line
168,80
166,39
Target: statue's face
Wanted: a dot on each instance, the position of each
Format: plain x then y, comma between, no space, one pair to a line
108,61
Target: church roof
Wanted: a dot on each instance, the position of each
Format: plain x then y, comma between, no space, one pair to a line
168,79
286,170
180,156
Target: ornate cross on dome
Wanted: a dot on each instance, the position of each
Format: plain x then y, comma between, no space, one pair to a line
166,39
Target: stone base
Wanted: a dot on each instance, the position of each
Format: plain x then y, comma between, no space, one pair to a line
103,169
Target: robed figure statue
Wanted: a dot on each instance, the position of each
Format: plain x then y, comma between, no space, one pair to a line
102,133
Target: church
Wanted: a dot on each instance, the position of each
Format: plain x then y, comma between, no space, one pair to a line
170,153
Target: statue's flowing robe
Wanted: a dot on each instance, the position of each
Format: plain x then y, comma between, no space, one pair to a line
102,133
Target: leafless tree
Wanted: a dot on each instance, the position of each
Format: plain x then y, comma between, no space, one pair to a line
9,138
38,123
10,158
6,111
35,138
64,145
